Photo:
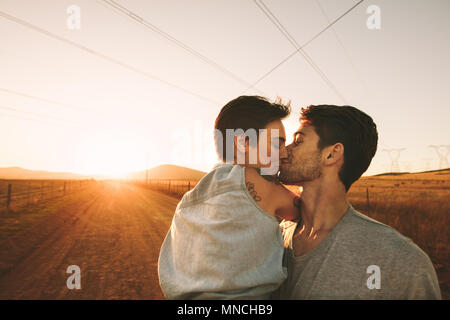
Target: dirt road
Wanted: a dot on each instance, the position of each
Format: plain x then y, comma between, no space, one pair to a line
113,232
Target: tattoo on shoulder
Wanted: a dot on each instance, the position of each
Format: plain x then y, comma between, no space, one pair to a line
252,191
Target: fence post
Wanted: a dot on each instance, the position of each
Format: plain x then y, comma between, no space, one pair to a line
8,200
64,188
367,199
189,185
42,190
169,186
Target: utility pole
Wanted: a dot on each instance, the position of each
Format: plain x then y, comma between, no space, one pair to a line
394,155
442,153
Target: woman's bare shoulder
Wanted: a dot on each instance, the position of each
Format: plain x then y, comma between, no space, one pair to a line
270,194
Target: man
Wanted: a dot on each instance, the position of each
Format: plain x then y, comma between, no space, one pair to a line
335,252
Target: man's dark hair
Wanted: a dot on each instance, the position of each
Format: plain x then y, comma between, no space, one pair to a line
247,112
349,126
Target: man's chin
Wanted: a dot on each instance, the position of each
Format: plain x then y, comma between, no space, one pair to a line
284,177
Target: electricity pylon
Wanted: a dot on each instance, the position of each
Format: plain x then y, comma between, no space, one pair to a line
442,153
427,163
406,166
394,155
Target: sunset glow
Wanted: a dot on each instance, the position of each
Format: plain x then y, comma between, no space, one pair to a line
113,154
96,98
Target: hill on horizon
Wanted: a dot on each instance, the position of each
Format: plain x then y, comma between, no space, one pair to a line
12,173
165,171
443,174
168,171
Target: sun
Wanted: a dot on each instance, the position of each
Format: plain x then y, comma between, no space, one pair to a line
113,154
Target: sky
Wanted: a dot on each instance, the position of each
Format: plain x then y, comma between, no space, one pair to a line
141,86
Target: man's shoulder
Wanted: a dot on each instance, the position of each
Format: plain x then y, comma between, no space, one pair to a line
356,246
405,266
381,239
356,224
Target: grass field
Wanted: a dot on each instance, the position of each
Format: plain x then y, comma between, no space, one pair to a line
21,217
20,193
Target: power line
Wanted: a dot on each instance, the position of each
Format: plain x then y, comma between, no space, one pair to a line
66,122
304,45
25,118
94,113
100,55
342,46
269,14
177,42
46,100
37,114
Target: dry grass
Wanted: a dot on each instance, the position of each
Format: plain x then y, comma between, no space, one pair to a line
20,217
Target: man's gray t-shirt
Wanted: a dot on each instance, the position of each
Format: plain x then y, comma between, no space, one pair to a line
360,259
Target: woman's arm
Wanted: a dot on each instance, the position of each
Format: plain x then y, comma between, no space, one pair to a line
272,196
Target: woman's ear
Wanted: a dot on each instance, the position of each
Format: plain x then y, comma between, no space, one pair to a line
241,143
241,146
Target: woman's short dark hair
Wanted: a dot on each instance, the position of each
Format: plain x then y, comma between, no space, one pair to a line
247,112
349,126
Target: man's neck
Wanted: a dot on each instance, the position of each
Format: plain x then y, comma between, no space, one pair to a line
324,202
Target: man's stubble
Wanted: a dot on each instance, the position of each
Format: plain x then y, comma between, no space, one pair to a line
300,170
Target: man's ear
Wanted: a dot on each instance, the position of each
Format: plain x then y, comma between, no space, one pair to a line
334,153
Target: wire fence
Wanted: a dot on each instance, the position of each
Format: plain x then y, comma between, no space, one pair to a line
173,187
22,193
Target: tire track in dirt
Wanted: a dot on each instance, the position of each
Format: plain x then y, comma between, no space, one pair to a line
144,245
114,233
39,260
